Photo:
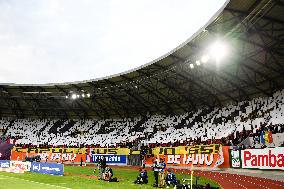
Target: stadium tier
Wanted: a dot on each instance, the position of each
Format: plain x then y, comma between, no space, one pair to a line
229,125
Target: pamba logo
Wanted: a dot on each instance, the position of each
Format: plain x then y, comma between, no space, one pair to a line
264,160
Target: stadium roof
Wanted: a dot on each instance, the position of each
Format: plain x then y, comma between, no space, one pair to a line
173,84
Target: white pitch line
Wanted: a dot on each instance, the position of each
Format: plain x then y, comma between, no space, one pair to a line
36,182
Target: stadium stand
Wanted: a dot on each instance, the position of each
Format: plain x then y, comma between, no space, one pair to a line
228,125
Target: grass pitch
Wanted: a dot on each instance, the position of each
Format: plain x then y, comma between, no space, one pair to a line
80,178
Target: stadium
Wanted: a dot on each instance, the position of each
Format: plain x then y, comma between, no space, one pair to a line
186,115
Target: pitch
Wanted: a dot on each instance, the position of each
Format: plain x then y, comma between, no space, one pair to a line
81,178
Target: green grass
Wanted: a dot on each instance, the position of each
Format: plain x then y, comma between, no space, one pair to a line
125,177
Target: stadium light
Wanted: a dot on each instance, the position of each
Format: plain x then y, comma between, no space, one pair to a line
191,66
204,58
73,96
218,50
197,62
88,95
83,95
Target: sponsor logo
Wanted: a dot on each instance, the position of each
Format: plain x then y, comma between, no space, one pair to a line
201,159
236,161
271,159
48,168
36,167
4,164
51,169
108,158
116,159
25,166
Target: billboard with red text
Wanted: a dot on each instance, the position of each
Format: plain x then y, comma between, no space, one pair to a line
268,158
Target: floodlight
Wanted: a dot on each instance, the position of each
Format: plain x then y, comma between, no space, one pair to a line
197,62
78,96
66,97
191,66
83,95
88,95
73,96
204,58
218,50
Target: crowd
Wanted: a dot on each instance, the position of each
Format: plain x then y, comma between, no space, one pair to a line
228,125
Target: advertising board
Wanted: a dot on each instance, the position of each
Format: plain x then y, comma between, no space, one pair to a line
268,158
4,163
110,159
213,155
50,154
47,168
25,166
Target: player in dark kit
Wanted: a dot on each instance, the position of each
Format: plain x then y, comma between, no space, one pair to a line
156,171
171,179
108,173
142,177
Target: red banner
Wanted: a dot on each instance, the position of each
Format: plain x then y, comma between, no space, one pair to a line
220,160
50,154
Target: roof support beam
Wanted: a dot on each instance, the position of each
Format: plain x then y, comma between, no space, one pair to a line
86,104
156,92
67,105
136,98
15,101
115,99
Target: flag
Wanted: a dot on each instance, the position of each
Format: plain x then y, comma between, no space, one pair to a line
266,137
270,137
262,137
8,141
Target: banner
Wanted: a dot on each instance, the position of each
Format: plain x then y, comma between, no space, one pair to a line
25,166
268,158
51,150
50,154
4,163
110,159
47,168
198,149
204,159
